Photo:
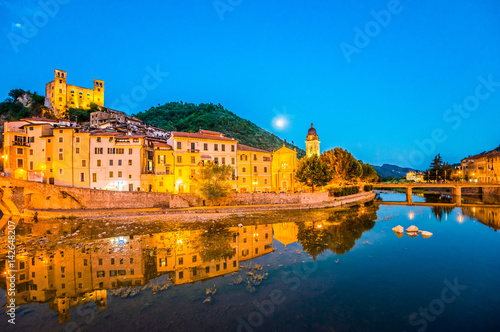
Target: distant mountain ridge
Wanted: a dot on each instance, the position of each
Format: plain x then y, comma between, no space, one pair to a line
189,117
387,171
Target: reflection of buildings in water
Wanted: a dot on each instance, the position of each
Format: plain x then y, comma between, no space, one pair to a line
254,241
285,233
488,216
67,277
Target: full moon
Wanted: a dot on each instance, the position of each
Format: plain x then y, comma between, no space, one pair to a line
280,122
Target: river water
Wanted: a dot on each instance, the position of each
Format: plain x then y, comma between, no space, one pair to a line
320,270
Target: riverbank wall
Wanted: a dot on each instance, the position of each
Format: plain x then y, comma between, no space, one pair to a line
26,198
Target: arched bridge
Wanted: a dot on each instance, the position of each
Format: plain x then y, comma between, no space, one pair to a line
456,188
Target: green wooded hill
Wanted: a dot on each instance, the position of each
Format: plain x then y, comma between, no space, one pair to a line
188,117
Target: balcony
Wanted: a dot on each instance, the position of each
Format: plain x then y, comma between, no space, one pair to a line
193,150
16,130
17,143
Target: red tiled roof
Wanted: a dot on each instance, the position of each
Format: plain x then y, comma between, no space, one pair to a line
201,136
249,148
209,132
161,144
104,134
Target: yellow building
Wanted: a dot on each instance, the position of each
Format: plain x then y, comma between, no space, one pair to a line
193,148
254,169
483,167
284,164
415,176
312,142
68,157
162,178
59,95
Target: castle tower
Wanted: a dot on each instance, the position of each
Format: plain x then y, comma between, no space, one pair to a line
60,91
99,92
312,142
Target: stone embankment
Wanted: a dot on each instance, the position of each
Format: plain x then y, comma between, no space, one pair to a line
24,198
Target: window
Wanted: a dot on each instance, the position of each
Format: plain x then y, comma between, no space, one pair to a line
256,251
98,162
20,151
84,163
265,169
223,160
193,160
119,174
49,159
234,263
111,150
94,177
111,139
49,140
110,174
216,147
82,177
77,150
224,266
265,181
255,169
181,275
217,267
31,128
254,157
111,162
181,261
98,140
79,274
61,172
77,140
98,150
119,162
232,148
207,269
232,161
223,147
131,261
129,151
243,169
130,162
194,258
179,159
195,273
100,261
100,274
85,262
179,145
205,146
131,272
244,180
31,165
61,139
120,151
31,152
216,160
61,156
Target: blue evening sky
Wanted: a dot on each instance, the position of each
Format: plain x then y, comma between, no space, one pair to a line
386,94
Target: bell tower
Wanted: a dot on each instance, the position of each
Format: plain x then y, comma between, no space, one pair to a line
312,142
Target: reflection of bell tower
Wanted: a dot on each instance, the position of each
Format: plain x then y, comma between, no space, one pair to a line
101,299
312,142
62,309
